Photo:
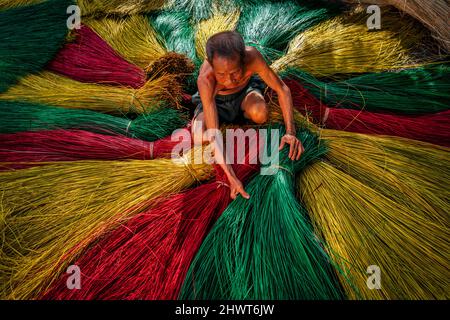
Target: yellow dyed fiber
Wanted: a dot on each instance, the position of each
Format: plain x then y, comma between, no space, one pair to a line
132,37
51,213
345,45
361,228
414,174
217,23
56,90
8,4
120,7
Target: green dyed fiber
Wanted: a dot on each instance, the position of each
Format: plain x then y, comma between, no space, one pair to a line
21,116
30,38
270,26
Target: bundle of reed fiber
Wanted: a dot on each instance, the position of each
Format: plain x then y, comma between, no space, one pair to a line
118,7
90,59
270,25
217,23
172,63
148,256
411,173
434,128
367,232
200,10
433,14
50,88
132,37
409,91
345,45
264,247
175,31
27,149
52,212
23,116
31,36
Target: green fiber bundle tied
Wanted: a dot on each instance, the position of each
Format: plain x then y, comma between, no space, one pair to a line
22,116
264,247
30,37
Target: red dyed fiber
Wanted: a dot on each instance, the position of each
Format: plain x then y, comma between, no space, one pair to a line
26,149
148,257
90,59
433,128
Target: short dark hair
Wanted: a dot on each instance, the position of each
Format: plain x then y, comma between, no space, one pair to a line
227,44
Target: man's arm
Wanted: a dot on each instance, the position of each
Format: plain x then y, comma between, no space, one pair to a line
285,98
206,89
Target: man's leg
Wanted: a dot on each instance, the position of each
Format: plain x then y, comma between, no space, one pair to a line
198,127
255,107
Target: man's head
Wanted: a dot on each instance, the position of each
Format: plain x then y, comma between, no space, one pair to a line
226,53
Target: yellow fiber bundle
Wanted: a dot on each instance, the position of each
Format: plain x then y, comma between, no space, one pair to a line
56,90
120,7
53,212
217,23
433,14
414,174
362,228
345,45
132,37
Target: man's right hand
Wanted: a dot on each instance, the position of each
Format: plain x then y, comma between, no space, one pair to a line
236,188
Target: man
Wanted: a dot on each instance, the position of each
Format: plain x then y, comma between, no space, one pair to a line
229,91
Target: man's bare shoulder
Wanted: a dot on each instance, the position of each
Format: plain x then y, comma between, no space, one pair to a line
253,59
206,73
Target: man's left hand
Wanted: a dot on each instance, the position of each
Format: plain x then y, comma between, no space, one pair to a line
296,147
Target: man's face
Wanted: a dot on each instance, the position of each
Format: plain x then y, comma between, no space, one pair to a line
228,71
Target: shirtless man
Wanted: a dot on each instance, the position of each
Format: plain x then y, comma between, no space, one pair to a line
229,91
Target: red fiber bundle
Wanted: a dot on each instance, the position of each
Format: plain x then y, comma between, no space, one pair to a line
433,128
90,59
149,256
22,149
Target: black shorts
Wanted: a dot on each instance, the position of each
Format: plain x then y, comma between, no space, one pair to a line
229,106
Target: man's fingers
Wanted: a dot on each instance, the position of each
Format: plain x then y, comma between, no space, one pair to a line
292,151
299,152
244,194
283,142
232,194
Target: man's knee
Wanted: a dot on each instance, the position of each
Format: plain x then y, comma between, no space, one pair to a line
255,108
